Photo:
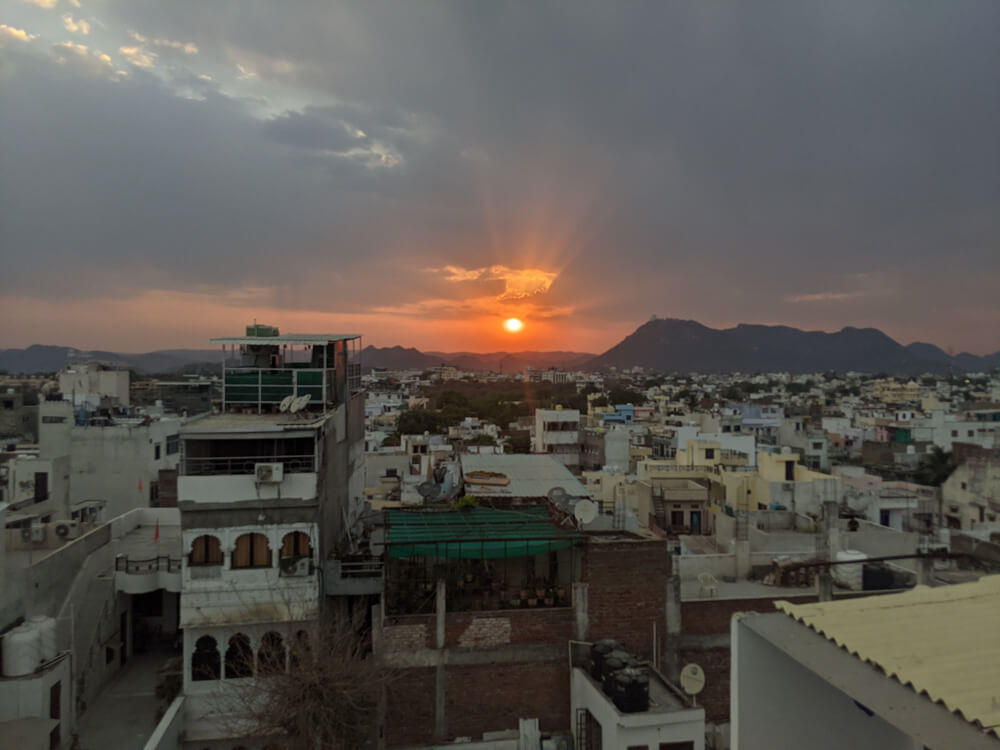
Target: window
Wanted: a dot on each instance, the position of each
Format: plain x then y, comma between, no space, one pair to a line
156,452
688,745
41,486
239,657
173,444
55,701
53,420
789,471
817,446
205,550
295,545
971,433
8,403
676,518
205,659
638,747
252,551
964,485
709,454
271,657
954,433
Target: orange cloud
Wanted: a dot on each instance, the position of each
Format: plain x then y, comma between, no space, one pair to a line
519,283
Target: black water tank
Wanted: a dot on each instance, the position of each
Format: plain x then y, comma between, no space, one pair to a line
877,576
631,690
613,662
598,651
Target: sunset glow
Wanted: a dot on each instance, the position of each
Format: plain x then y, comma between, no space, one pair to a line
513,325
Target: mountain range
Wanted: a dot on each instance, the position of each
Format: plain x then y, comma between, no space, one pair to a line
671,345
662,344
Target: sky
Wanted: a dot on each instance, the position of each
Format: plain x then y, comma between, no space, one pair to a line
418,172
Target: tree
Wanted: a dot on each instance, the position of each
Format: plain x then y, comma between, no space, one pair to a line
482,439
391,441
935,467
519,442
328,697
621,395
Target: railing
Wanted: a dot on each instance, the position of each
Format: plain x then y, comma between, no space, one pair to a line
152,565
255,385
362,569
304,464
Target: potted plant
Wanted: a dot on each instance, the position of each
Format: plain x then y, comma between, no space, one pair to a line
532,602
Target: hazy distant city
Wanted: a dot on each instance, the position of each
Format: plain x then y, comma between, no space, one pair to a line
499,375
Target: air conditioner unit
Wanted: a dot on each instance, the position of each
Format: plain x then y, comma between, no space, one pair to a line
268,473
67,529
295,566
788,486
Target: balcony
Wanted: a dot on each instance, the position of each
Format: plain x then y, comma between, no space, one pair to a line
233,465
251,385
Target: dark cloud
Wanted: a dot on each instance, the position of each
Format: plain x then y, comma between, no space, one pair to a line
775,162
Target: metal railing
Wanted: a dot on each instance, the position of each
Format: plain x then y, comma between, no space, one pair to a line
163,563
270,385
193,466
362,569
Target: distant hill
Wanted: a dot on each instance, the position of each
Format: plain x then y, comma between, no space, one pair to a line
671,345
40,358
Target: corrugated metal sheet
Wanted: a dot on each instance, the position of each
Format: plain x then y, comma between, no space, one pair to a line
943,642
528,475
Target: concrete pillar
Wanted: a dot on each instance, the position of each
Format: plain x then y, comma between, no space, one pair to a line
925,571
440,675
827,544
672,638
581,619
439,609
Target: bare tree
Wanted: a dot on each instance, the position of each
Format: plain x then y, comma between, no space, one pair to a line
316,689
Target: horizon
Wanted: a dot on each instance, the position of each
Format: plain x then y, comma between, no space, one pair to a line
510,351
396,171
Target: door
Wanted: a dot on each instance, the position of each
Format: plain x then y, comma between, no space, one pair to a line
41,486
695,522
123,630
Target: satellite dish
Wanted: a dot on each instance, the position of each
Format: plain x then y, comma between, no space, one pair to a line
585,511
427,490
376,542
285,403
692,679
557,494
298,404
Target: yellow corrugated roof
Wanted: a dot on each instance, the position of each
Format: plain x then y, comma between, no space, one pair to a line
943,642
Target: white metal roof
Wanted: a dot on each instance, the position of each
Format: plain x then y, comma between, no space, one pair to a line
943,642
529,475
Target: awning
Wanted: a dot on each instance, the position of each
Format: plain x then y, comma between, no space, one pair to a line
476,533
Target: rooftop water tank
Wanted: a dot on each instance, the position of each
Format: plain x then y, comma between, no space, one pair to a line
850,576
47,635
21,651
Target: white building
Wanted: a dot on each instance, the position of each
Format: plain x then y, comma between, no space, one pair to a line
88,384
897,672
267,494
557,431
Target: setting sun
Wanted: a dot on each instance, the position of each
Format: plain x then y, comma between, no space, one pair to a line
513,325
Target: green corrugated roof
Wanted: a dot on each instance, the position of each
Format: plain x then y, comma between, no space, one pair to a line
477,533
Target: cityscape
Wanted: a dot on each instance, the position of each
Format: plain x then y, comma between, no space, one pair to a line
499,376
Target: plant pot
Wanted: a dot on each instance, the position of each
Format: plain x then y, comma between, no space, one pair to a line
515,603
540,593
532,602
561,593
549,601
524,593
469,577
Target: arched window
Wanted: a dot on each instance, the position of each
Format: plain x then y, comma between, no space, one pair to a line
205,550
271,656
239,657
252,551
296,545
299,651
205,659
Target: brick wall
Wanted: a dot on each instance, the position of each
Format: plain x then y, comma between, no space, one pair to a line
514,627
407,633
707,617
627,592
410,707
492,697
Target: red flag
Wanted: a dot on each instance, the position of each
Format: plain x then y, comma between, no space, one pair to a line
156,535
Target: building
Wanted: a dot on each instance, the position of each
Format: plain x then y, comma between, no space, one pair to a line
971,495
557,431
910,670
90,384
268,491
